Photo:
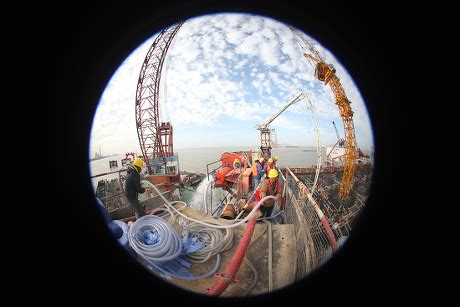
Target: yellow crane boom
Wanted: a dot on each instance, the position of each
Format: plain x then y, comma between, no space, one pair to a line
326,74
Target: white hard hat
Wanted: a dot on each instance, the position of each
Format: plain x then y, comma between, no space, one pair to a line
261,159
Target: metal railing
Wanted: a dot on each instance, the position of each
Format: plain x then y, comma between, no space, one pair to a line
313,235
114,198
339,215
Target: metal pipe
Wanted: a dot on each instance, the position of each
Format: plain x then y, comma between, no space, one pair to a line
103,174
270,258
207,166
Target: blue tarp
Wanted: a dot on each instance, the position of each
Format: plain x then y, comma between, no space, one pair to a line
148,236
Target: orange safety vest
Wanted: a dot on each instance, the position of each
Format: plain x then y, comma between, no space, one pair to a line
254,169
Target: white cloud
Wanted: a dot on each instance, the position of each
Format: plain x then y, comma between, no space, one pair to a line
282,122
269,53
250,24
235,37
250,45
212,66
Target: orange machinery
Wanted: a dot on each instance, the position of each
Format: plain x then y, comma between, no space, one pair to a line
235,172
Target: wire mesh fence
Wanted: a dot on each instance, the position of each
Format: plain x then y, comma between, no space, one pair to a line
315,243
312,241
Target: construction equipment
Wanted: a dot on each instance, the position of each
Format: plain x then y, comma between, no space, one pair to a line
326,73
339,139
155,137
265,132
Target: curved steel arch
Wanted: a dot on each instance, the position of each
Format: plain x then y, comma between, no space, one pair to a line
155,138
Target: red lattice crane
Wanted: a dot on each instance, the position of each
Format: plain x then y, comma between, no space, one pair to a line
326,74
155,137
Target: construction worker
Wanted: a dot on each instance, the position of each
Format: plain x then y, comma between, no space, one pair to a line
269,166
270,187
262,162
133,186
257,173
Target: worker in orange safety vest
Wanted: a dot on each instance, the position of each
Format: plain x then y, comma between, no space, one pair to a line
269,187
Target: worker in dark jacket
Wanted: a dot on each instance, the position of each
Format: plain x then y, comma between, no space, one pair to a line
133,186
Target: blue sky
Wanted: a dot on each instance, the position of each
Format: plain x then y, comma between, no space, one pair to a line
223,75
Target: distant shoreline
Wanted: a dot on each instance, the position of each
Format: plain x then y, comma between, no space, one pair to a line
255,146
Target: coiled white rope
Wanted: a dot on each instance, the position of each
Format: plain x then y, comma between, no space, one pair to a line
169,245
213,239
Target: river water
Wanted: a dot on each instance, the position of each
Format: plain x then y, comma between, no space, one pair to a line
194,160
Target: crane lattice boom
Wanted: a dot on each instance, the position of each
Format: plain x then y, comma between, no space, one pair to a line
155,138
291,102
326,74
265,132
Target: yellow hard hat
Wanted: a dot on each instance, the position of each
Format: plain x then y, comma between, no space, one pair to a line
138,162
275,159
273,173
270,160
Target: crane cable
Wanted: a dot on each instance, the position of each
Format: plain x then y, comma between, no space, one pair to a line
318,141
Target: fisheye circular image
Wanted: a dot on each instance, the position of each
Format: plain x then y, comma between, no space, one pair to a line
231,154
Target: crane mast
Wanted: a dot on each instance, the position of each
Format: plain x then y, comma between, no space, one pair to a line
326,74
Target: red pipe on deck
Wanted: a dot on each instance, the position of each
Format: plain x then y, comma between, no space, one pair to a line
232,267
330,234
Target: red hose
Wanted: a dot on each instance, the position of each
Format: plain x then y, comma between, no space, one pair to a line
330,234
232,267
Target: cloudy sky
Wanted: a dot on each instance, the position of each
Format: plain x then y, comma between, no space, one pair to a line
223,75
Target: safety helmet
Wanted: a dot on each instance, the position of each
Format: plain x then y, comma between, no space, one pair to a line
273,173
138,162
275,159
261,160
270,160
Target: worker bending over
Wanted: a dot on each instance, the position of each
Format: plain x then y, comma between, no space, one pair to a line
270,187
